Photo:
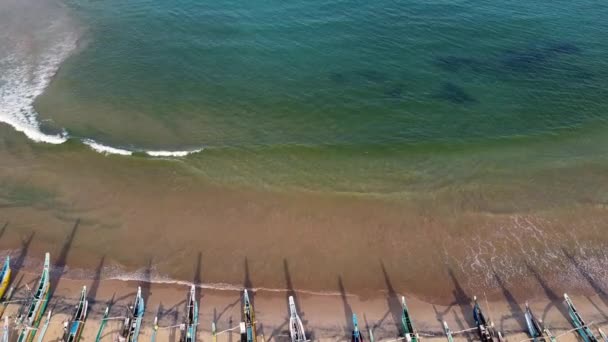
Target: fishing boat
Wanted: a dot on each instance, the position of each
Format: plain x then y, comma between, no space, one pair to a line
603,334
536,328
448,332
37,304
249,316
296,328
189,326
357,336
485,328
409,332
577,321
132,323
73,328
5,276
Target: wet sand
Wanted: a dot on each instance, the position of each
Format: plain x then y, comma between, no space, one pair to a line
157,219
327,317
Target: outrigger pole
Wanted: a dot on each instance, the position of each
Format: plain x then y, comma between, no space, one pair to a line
44,327
5,330
104,321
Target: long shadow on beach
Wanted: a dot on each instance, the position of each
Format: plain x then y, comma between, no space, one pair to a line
348,311
60,263
291,292
516,313
197,279
392,302
146,283
92,294
597,287
3,229
25,246
555,299
463,300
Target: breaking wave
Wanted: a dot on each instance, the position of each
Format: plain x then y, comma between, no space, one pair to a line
33,47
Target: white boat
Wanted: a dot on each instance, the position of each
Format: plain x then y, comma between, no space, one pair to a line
296,328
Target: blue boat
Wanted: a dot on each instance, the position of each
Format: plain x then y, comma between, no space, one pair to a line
132,323
357,337
74,327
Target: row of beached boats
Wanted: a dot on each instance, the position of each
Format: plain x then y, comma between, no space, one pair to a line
28,320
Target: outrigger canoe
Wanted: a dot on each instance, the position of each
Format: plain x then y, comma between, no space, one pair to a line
357,336
249,315
485,328
581,327
73,328
189,326
536,328
5,276
409,332
37,304
132,323
296,328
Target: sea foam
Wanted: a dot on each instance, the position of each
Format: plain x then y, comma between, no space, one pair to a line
33,48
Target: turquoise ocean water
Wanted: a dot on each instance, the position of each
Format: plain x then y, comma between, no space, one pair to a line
363,96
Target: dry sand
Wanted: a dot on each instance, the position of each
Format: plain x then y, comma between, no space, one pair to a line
326,317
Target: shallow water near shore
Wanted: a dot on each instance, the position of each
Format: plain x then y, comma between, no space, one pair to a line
349,145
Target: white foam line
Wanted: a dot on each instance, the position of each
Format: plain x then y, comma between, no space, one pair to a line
105,149
172,153
224,286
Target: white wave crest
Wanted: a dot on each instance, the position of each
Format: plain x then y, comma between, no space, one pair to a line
28,62
172,153
105,149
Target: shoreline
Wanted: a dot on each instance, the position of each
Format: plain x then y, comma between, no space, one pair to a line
326,318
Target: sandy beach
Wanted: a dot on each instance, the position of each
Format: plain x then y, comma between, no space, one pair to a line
326,317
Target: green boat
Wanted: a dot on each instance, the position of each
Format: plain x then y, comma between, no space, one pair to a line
37,305
409,332
577,321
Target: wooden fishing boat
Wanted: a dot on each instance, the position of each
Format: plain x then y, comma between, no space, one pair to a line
409,332
357,336
485,328
191,323
603,334
577,321
5,276
536,328
249,316
296,328
37,304
132,323
448,332
72,329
